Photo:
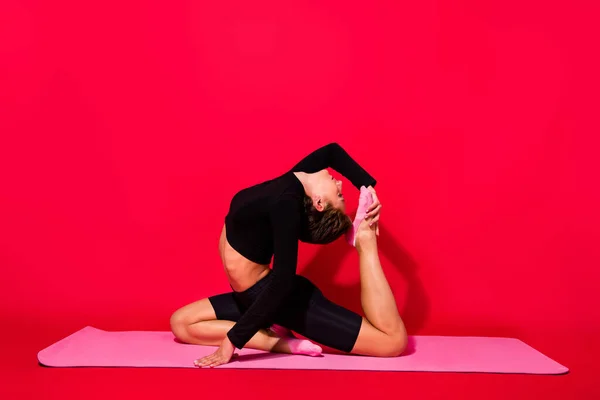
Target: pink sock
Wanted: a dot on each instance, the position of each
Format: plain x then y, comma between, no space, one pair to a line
297,346
301,346
364,202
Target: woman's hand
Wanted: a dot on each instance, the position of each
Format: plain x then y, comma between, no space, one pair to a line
219,357
374,211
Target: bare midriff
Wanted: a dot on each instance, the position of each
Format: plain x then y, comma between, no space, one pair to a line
241,272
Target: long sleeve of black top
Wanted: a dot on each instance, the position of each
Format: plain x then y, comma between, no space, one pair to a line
285,220
334,156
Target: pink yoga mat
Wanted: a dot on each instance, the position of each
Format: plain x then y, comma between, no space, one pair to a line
91,347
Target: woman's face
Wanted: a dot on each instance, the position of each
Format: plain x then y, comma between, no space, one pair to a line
329,191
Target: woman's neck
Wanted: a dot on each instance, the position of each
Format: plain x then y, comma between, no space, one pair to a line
307,181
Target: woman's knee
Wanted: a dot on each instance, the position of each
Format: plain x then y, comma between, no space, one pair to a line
373,342
395,345
178,325
182,318
390,346
177,318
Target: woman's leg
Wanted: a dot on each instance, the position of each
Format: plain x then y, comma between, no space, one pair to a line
382,332
197,323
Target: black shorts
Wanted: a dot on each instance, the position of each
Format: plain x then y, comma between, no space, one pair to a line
305,311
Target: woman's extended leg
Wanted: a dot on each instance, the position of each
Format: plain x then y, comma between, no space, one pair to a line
197,323
382,332
312,315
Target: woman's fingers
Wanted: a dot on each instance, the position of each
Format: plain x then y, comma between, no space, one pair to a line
212,361
216,363
221,356
375,204
374,210
374,213
203,362
206,363
219,360
374,207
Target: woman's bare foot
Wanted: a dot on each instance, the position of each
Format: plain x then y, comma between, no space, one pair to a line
365,201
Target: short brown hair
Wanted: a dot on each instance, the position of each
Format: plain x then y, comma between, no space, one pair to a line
325,226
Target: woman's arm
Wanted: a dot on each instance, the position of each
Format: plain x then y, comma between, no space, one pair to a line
334,156
285,219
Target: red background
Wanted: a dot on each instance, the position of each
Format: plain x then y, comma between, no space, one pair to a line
128,126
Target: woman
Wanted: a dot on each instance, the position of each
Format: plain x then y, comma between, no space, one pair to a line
267,220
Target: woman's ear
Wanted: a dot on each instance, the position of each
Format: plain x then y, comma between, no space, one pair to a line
319,203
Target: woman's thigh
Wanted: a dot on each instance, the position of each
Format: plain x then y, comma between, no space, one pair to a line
222,306
309,313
